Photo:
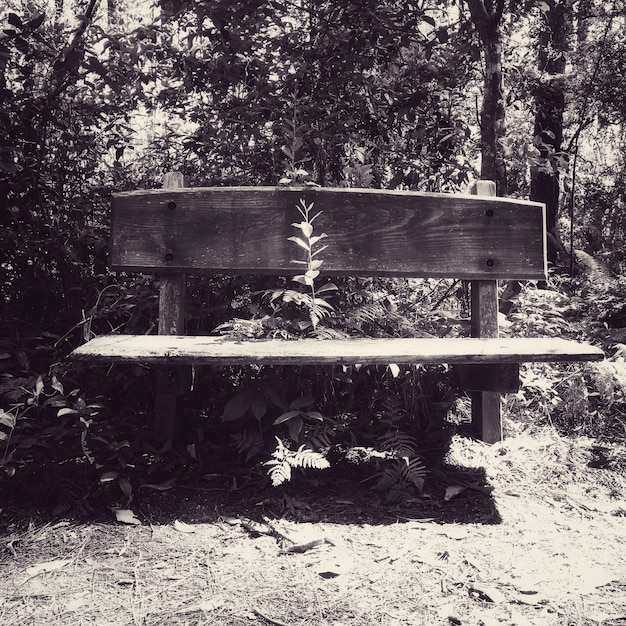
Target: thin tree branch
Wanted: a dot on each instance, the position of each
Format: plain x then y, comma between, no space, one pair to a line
583,122
479,14
62,59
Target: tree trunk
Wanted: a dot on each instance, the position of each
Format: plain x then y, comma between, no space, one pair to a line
486,17
550,106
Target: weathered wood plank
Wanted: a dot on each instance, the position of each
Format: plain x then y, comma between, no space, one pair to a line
484,308
171,381
222,351
372,232
172,304
486,405
487,416
172,285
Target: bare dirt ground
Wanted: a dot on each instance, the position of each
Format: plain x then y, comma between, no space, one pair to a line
532,532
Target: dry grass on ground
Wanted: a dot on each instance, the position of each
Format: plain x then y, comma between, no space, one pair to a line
545,547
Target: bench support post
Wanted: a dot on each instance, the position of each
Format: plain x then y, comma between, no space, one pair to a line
500,377
171,381
486,405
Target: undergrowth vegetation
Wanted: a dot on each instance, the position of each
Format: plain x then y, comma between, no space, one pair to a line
226,112
387,425
82,436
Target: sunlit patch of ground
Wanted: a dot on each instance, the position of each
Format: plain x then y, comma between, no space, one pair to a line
552,554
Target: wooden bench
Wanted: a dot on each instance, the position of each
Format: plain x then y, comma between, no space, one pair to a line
245,230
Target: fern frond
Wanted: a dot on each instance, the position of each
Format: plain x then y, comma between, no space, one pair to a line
239,328
405,470
592,267
320,436
370,312
306,459
280,472
609,378
378,314
65,496
249,443
285,460
398,443
387,478
392,404
323,332
414,472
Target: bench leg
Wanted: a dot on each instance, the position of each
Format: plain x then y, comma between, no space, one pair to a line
171,383
166,408
486,404
486,416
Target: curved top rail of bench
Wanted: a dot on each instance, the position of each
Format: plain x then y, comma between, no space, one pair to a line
370,232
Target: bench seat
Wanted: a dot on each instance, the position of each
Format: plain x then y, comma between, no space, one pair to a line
210,350
248,231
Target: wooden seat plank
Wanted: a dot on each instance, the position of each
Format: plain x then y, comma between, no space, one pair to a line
162,349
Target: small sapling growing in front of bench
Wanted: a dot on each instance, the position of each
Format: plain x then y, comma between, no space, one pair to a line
294,312
316,303
312,298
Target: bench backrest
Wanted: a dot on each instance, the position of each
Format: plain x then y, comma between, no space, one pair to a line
245,230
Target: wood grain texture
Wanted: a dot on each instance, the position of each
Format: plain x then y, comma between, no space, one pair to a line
484,308
171,381
171,286
162,349
172,304
370,232
487,416
486,405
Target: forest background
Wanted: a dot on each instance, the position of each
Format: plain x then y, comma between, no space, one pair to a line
105,96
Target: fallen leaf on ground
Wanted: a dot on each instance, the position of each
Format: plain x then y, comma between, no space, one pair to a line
448,611
212,604
301,539
526,584
77,602
126,516
181,527
431,559
392,555
453,491
602,617
256,527
487,592
454,532
49,566
164,486
308,545
517,619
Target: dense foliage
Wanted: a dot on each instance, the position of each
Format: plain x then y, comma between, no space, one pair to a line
99,97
